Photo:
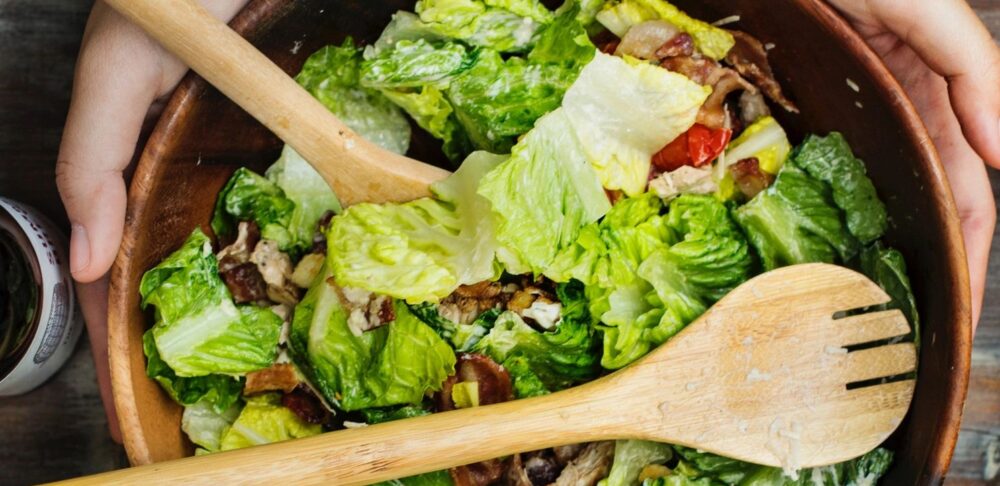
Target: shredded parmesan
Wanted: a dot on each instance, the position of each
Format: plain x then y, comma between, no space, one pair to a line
726,20
854,86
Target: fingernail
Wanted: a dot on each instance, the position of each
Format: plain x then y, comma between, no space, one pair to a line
79,249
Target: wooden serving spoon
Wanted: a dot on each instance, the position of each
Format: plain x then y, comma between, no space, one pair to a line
762,376
355,168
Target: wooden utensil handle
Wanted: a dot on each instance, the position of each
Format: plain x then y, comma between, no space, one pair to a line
395,449
260,87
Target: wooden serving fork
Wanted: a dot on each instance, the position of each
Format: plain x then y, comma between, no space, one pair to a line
763,376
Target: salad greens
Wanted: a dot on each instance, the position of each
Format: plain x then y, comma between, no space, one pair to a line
199,331
546,260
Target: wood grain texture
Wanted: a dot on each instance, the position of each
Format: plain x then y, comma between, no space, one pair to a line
752,378
58,431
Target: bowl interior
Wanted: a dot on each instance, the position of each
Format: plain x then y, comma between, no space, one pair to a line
202,138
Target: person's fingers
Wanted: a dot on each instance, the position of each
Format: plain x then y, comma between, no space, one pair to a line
966,174
93,298
117,79
950,38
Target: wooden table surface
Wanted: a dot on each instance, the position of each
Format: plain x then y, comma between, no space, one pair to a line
60,431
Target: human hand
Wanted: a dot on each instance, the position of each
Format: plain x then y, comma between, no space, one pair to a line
121,76
949,65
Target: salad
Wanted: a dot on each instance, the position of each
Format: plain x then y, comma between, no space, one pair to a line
618,171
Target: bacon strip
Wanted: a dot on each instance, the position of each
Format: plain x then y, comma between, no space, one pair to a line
749,58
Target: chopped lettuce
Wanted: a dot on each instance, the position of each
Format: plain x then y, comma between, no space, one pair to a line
307,189
633,455
378,415
620,15
619,130
421,250
559,359
434,113
461,336
830,160
703,468
796,221
886,267
333,76
250,197
563,42
393,364
264,421
199,331
205,426
542,195
217,392
403,26
484,24
526,383
412,64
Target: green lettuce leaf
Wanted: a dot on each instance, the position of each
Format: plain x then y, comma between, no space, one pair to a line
434,113
526,383
378,415
559,359
479,24
619,130
461,336
706,468
250,197
393,364
620,15
563,42
633,455
830,160
422,250
217,392
307,189
543,195
205,426
403,26
333,75
796,221
412,64
199,330
264,421
886,267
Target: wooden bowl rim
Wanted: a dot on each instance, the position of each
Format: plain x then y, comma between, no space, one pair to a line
251,17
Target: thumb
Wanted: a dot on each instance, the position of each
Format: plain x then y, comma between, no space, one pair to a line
116,82
950,38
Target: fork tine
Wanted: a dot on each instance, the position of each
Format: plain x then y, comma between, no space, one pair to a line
887,396
880,362
873,326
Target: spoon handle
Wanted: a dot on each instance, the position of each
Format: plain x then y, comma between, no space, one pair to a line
356,169
401,448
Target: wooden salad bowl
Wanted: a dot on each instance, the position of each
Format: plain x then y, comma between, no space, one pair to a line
202,138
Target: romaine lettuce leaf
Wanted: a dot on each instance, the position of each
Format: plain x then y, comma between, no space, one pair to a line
199,330
205,426
393,364
563,42
633,455
218,392
619,130
461,336
413,64
886,267
543,195
307,189
796,221
422,250
830,160
379,415
403,26
620,15
333,76
434,113
264,421
476,23
526,383
559,359
765,140
250,197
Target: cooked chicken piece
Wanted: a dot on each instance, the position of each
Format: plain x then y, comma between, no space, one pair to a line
685,180
279,377
589,467
467,302
276,269
565,454
239,251
307,270
365,310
